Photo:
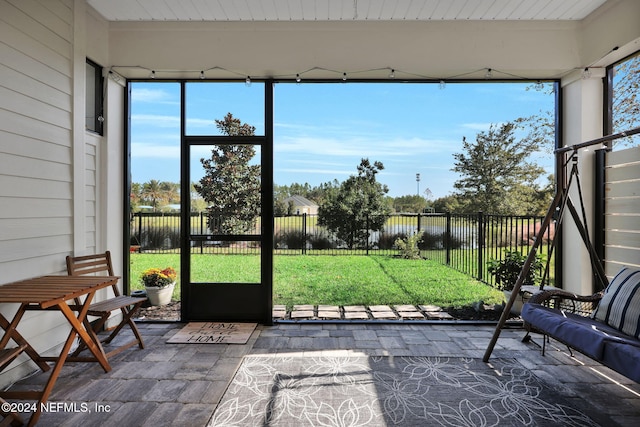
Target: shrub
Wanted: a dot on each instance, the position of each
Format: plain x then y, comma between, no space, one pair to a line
321,240
437,241
388,241
294,239
455,242
500,238
431,240
134,239
507,270
160,238
409,247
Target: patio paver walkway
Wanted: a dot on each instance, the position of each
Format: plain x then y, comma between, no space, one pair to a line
360,312
181,384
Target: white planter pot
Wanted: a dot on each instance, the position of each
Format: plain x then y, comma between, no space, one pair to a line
516,308
160,296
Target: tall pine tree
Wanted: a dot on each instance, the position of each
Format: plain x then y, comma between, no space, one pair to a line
496,174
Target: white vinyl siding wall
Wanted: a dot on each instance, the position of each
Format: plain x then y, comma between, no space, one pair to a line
91,191
36,68
622,207
36,155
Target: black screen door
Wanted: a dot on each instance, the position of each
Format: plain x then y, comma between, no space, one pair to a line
226,261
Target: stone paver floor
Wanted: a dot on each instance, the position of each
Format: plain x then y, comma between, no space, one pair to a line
181,384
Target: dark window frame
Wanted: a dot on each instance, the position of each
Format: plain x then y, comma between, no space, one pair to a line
608,126
97,93
600,176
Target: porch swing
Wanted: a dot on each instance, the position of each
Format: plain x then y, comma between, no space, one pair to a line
555,309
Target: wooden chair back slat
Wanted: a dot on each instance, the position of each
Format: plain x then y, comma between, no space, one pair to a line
90,264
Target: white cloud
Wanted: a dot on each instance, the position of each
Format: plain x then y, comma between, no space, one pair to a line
328,172
168,121
296,126
315,162
153,96
156,120
154,151
362,147
200,123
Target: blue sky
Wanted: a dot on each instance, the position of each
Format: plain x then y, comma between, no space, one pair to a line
322,130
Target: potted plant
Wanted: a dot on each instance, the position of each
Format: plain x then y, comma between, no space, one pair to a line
507,270
159,284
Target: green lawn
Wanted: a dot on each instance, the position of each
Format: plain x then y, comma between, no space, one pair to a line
335,280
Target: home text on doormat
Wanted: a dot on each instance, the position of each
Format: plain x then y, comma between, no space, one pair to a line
214,333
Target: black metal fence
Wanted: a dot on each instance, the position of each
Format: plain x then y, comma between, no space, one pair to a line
464,242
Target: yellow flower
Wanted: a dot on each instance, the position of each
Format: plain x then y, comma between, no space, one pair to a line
155,277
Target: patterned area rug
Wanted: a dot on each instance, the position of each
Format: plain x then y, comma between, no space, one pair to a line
383,391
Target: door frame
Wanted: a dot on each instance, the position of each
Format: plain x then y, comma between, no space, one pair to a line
251,302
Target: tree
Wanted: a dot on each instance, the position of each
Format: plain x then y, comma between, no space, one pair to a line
156,193
357,206
409,203
625,108
152,193
231,186
317,194
135,195
626,99
197,202
496,174
451,203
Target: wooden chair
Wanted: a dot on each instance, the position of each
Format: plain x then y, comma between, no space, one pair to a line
8,355
101,263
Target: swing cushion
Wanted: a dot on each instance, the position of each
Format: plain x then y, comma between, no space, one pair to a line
620,305
609,335
587,335
591,337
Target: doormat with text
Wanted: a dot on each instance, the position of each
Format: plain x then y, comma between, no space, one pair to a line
213,333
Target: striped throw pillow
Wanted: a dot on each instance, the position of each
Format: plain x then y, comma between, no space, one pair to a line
620,305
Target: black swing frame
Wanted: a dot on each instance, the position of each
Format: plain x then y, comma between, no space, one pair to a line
557,209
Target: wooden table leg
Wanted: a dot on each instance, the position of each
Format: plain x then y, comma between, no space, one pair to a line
77,329
57,368
87,336
42,396
12,333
